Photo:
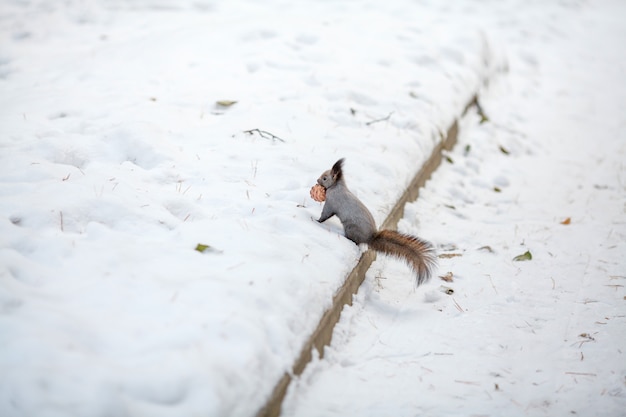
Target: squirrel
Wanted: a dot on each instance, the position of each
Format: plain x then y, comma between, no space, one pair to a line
360,227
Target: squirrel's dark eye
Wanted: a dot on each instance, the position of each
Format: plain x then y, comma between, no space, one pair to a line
325,177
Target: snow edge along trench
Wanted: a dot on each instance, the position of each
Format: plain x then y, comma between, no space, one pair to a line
323,332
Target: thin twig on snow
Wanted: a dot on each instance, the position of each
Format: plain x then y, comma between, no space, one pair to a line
264,134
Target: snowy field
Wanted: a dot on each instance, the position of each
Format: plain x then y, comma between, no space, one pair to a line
123,147
121,152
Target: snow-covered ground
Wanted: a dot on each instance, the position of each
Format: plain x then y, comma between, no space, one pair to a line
120,153
116,160
546,174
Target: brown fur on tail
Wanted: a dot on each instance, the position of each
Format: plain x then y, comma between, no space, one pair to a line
419,254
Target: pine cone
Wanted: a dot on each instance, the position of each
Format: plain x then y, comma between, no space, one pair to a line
318,193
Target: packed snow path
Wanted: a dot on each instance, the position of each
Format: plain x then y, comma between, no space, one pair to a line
543,178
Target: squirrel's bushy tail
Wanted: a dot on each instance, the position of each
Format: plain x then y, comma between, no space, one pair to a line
419,254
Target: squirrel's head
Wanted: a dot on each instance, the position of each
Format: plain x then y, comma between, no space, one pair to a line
332,176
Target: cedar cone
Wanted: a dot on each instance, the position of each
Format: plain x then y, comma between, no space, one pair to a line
318,193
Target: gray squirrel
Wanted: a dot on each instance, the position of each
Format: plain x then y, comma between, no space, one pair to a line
360,227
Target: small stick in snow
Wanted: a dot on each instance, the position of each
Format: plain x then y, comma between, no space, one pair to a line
448,255
481,112
581,373
371,122
587,337
255,166
467,382
458,306
61,215
264,134
492,284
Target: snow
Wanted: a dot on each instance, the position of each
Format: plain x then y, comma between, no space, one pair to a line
545,336
116,161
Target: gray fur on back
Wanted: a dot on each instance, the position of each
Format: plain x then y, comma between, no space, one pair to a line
356,219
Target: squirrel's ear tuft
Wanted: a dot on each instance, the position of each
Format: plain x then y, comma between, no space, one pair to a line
336,170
